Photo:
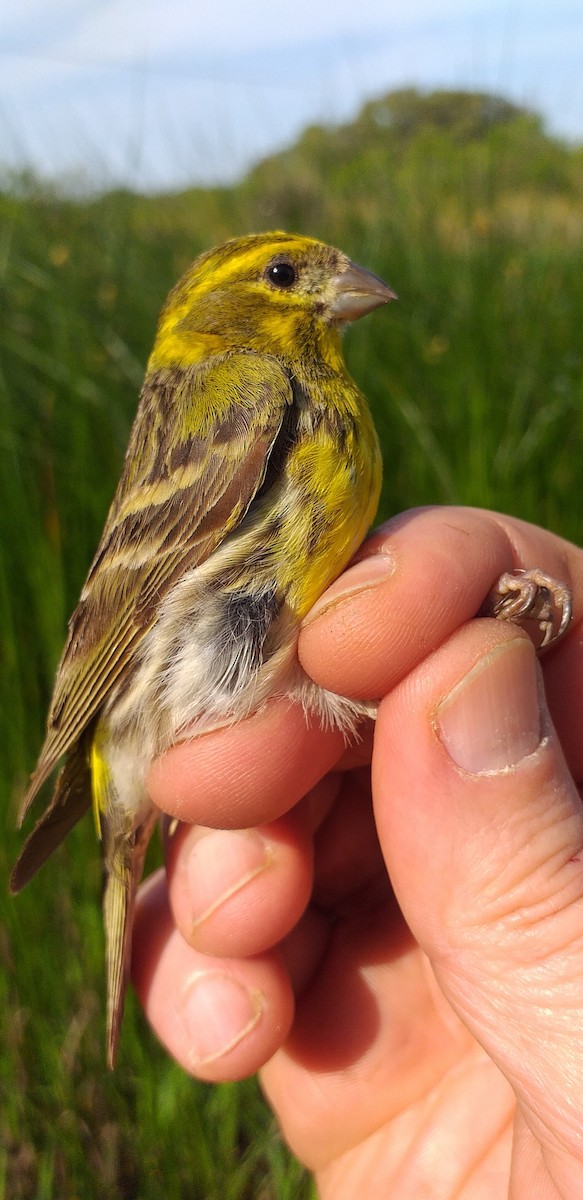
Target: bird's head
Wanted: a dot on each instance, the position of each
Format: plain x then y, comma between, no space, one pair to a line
274,293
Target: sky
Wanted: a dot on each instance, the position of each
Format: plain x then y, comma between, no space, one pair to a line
159,94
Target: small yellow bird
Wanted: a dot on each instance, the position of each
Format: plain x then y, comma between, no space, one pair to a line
252,474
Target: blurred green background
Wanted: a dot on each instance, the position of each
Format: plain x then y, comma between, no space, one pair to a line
475,216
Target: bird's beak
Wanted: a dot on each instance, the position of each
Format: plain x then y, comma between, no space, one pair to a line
357,292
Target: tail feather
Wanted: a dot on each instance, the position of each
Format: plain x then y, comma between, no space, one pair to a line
124,857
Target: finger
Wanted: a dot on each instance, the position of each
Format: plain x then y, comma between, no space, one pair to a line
349,870
416,580
238,892
563,675
220,1019
248,774
482,830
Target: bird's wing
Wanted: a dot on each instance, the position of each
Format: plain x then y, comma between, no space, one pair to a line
197,456
70,801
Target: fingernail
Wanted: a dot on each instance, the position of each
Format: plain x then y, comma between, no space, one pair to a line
491,720
219,865
363,575
218,1012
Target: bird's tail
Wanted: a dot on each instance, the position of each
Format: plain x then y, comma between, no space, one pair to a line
124,860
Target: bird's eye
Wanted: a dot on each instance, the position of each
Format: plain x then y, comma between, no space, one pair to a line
281,273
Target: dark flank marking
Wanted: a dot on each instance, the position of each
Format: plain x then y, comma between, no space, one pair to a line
319,518
302,398
251,613
342,429
249,617
313,412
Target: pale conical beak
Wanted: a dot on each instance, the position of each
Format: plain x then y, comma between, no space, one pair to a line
358,292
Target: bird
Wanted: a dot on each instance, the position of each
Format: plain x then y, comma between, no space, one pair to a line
252,475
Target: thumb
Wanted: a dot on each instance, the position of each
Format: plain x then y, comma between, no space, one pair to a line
482,832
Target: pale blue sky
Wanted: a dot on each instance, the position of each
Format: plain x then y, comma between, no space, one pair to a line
163,93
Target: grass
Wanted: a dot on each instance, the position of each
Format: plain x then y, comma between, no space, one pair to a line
476,382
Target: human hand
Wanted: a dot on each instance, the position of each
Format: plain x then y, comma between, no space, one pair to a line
420,1036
